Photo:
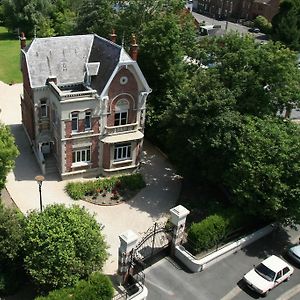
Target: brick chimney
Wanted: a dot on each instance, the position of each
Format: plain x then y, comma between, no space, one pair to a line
23,40
113,36
133,48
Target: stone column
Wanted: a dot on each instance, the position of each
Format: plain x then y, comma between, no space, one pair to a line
178,219
128,240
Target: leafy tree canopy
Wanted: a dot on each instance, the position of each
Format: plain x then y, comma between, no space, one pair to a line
61,246
263,176
8,153
286,25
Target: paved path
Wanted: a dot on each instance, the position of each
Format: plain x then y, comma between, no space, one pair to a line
149,205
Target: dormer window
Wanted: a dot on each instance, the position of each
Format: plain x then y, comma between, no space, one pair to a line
44,108
74,116
121,112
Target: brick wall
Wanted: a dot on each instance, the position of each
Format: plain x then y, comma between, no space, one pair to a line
106,156
95,152
68,156
119,91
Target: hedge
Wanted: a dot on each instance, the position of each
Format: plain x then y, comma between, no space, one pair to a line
208,233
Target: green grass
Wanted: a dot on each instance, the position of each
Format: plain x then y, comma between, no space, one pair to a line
9,57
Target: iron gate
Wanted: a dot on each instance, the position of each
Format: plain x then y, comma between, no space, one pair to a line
156,240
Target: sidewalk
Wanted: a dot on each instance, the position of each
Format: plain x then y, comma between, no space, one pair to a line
149,205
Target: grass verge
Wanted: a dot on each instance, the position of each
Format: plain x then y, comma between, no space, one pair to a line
9,57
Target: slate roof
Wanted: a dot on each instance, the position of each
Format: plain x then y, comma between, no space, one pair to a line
66,58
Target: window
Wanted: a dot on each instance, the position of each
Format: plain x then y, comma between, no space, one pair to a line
44,108
82,155
121,112
74,117
122,152
286,270
88,120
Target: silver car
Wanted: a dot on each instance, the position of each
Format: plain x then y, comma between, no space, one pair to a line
294,253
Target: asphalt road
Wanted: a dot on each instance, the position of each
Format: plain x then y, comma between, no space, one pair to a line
167,280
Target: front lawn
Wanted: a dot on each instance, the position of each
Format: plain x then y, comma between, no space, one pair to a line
9,57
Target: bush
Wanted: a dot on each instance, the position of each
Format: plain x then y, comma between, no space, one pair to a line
208,233
75,190
78,190
61,246
11,278
263,24
97,287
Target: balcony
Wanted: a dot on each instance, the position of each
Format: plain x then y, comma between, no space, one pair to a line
111,130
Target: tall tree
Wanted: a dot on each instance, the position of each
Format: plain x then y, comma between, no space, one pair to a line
61,246
96,16
263,177
286,24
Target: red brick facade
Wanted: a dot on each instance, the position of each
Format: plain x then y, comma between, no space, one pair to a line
106,156
68,156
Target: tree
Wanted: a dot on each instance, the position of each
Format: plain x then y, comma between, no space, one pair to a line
11,237
263,24
263,177
263,78
61,246
8,153
286,26
96,16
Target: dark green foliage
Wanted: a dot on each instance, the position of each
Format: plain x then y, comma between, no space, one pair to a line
208,233
132,182
62,245
286,26
78,190
263,24
8,153
263,177
97,287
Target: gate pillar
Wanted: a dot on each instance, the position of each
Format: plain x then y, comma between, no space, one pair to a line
128,240
178,219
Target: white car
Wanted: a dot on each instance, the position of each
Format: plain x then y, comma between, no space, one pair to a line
268,274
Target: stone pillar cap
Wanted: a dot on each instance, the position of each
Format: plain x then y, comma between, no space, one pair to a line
128,236
179,211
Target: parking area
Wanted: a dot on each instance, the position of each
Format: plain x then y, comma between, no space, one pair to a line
167,279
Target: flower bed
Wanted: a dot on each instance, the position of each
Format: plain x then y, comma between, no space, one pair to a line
106,191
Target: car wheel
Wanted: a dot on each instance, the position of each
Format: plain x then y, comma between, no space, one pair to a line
266,293
288,278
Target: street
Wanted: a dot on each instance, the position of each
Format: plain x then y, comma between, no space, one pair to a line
167,279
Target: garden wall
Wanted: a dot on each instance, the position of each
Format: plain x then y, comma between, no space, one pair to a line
197,265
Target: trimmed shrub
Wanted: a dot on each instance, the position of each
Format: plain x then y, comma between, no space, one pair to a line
78,190
208,233
263,24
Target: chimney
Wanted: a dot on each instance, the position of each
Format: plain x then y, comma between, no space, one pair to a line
113,36
133,48
23,40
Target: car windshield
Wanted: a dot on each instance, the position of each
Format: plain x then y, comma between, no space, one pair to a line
265,272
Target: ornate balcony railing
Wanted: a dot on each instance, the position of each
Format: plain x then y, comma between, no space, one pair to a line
110,130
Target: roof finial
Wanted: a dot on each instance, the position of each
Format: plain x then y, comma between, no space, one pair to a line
123,38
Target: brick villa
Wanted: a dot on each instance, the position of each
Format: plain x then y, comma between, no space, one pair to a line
83,104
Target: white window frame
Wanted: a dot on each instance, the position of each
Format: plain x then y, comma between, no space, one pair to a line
88,117
81,156
75,116
122,152
121,112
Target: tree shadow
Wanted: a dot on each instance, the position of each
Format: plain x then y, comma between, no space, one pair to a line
277,243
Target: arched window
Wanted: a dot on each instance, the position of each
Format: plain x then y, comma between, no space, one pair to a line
121,112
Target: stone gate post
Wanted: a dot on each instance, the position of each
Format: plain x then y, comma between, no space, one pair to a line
128,240
178,219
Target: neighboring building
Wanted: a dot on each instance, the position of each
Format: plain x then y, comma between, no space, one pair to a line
237,9
83,105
